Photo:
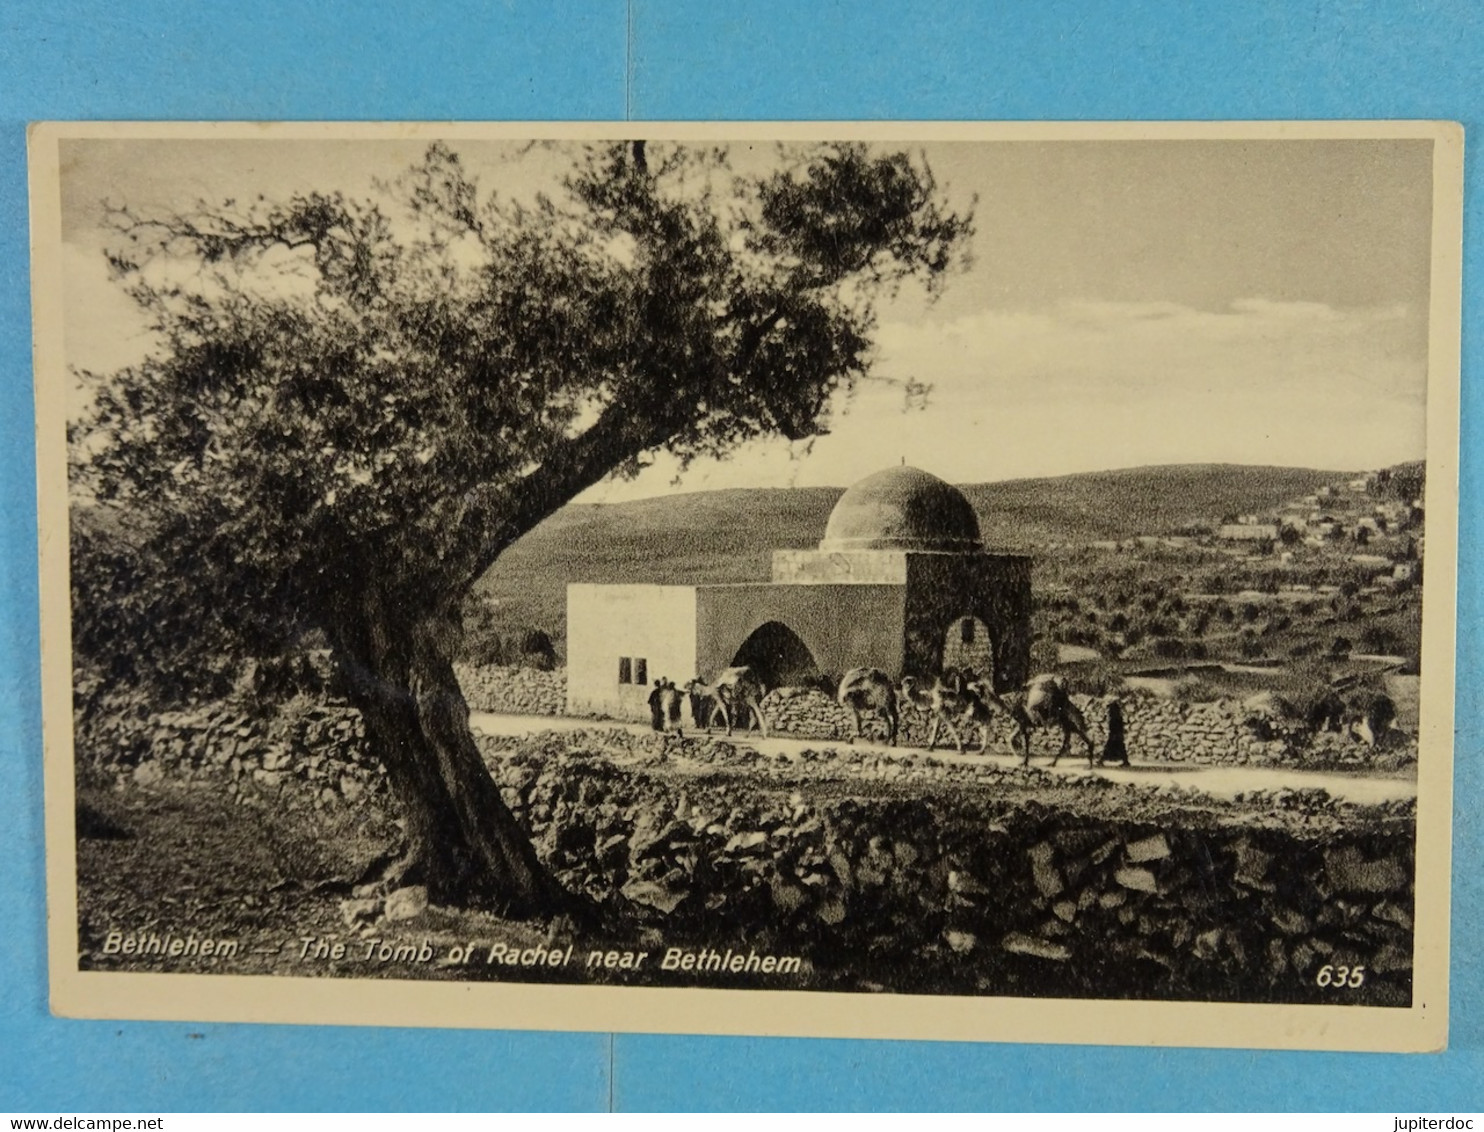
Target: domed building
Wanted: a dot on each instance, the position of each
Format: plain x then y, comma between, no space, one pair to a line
902,509
901,581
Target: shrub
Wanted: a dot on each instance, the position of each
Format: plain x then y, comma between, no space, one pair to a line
1193,690
489,641
1044,655
537,651
1170,648
1380,638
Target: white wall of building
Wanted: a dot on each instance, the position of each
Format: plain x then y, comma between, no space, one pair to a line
607,624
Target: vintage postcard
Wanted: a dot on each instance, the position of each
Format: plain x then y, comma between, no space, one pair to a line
943,581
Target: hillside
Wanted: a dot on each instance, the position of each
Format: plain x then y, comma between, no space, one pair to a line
729,536
1132,501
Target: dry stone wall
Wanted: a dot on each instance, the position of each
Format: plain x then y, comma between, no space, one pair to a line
320,745
1158,730
308,750
1226,732
1221,732
513,690
1204,732
975,891
1100,891
807,713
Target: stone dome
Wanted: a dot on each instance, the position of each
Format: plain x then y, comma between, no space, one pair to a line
902,509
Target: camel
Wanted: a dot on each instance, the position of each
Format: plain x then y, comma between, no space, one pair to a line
869,689
733,693
982,705
954,700
933,701
912,694
1046,702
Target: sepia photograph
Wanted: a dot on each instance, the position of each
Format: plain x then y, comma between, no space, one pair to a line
906,580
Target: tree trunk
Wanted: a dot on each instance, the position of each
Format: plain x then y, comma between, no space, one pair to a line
462,840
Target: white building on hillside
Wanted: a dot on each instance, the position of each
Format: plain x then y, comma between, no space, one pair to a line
1248,532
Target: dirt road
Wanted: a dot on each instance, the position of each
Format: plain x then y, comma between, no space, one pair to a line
1220,781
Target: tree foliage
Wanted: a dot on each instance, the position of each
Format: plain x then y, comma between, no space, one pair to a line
404,386
355,405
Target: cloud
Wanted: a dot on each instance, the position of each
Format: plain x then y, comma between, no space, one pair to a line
1279,351
1072,386
1087,385
1181,383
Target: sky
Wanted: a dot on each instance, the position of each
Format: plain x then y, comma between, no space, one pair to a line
1127,303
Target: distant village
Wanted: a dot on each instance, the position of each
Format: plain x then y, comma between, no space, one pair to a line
1374,521
1332,575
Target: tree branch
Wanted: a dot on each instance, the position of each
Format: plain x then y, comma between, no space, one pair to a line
624,430
500,516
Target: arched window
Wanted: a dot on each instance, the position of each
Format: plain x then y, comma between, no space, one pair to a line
967,645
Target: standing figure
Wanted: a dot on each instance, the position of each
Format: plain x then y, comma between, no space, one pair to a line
657,706
1114,749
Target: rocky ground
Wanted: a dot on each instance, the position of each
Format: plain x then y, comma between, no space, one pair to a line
877,871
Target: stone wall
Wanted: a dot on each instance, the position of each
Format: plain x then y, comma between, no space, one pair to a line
1202,732
307,749
512,690
986,880
1157,730
807,713
1223,731
1102,893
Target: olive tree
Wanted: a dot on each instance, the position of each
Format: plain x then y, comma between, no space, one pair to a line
356,405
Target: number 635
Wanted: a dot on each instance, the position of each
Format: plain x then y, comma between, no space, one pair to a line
1331,976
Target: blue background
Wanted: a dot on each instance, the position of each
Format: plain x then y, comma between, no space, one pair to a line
1040,59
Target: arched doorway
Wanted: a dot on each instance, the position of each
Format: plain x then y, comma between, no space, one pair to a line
967,644
778,656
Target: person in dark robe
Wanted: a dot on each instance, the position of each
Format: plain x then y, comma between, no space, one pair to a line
1114,749
657,706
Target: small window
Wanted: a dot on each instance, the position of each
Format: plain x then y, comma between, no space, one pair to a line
625,671
641,671
966,630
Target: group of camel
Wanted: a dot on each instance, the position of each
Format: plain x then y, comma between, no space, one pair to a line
955,701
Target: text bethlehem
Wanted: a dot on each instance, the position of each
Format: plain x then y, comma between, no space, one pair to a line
709,959
169,944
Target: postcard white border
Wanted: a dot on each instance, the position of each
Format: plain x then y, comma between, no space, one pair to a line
692,1010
